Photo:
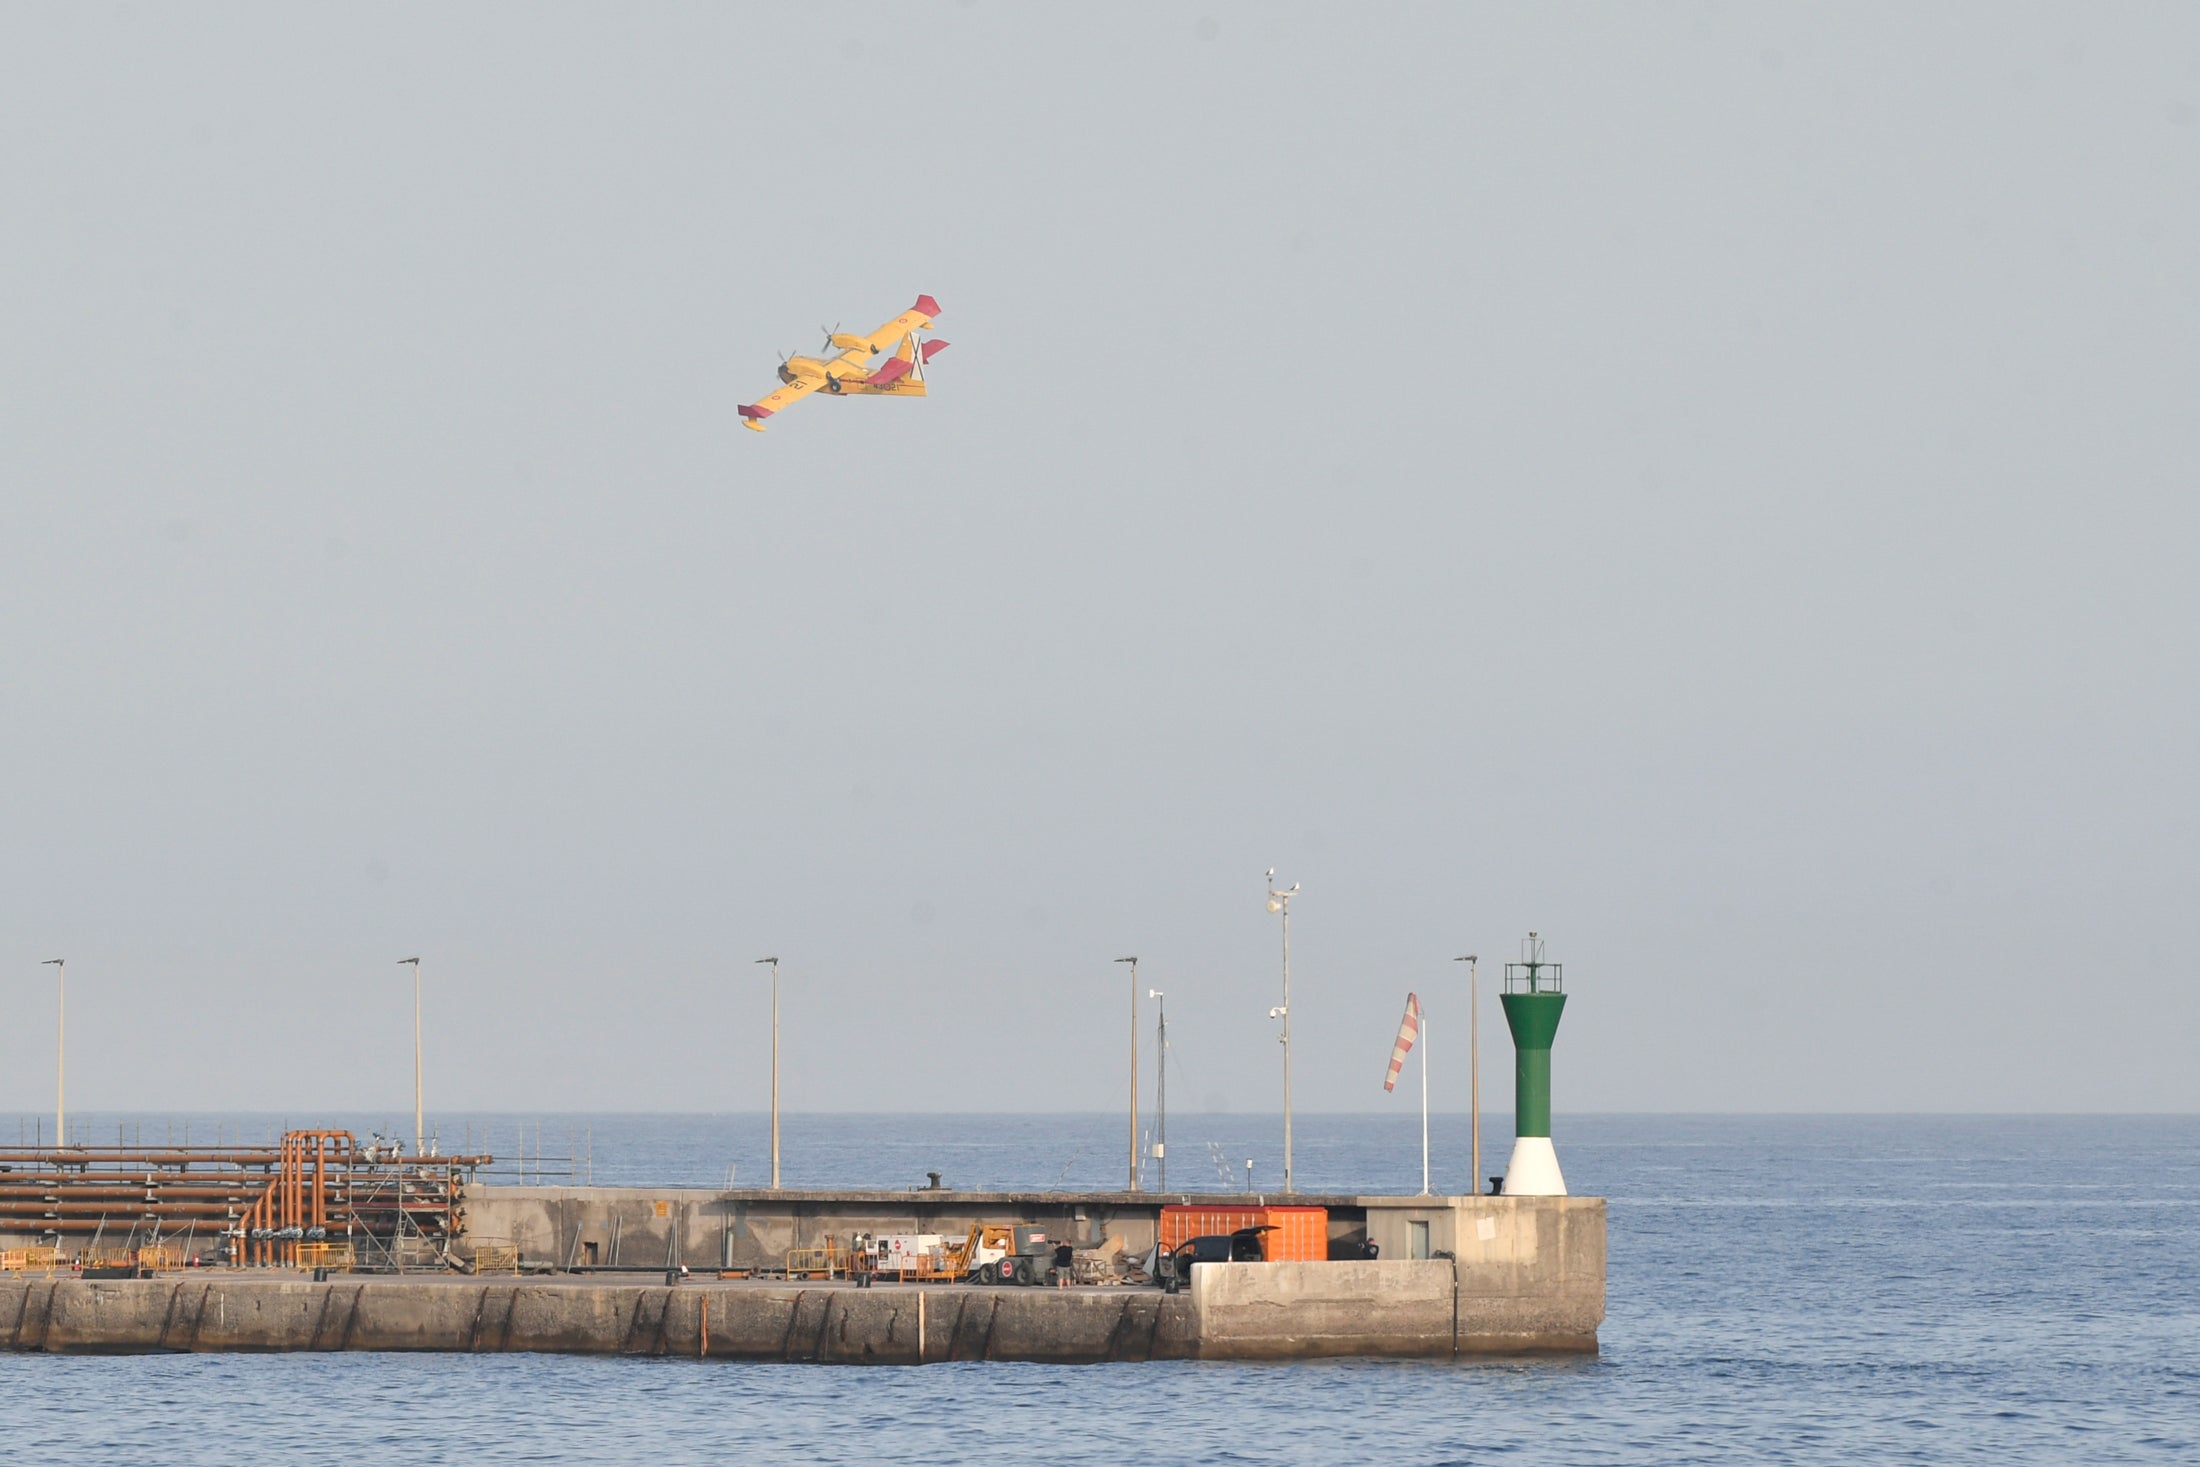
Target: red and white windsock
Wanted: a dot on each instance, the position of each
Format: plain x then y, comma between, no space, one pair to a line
1409,1029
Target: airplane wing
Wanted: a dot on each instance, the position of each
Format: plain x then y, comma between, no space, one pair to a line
753,414
916,318
906,358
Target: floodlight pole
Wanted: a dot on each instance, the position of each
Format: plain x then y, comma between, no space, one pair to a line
419,1129
1134,1069
775,1069
1474,1066
60,1049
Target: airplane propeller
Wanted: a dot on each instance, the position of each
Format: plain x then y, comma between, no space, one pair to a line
829,335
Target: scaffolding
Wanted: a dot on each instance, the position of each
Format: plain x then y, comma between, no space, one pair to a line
315,1199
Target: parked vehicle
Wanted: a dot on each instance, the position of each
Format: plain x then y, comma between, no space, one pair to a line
1174,1268
1022,1254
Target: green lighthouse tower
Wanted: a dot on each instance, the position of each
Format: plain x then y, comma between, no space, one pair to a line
1534,997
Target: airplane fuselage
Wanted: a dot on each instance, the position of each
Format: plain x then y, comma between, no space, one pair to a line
848,366
846,373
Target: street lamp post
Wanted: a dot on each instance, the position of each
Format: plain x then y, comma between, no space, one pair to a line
1280,901
1161,1088
60,1049
419,1129
1134,1069
775,1068
1474,1065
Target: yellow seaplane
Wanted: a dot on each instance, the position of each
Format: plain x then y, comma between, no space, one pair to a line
850,374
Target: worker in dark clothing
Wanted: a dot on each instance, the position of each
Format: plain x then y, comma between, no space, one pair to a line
1065,1265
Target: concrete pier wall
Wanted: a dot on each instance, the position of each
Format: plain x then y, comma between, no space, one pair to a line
1526,1275
1244,1311
833,1325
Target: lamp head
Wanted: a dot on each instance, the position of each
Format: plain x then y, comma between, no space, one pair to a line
401,962
1155,993
1132,961
773,961
52,963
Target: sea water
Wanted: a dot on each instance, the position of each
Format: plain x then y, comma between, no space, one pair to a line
1782,1289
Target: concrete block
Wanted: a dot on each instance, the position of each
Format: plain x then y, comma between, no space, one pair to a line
1281,1311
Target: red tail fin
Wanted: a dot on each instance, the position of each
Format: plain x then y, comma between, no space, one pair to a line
933,349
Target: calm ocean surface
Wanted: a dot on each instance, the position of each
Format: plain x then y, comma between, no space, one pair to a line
1782,1289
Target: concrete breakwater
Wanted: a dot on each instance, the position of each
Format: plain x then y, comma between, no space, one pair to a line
832,1324
1403,1309
1456,1276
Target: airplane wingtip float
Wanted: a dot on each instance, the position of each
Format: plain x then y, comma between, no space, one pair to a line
850,373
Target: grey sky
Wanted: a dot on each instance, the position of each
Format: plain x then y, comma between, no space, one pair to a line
1711,483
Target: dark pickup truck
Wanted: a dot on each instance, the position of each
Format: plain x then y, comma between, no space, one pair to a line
1173,1268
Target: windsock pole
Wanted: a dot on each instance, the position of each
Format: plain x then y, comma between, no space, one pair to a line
1412,1031
1534,998
1424,1103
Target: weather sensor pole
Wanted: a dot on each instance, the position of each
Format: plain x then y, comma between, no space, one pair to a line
1161,1087
1280,901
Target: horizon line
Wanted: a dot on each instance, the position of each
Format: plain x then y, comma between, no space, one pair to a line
1117,1113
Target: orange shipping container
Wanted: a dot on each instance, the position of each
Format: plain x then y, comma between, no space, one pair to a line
1300,1234
1180,1222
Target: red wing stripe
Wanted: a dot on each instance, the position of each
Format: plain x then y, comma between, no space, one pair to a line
751,410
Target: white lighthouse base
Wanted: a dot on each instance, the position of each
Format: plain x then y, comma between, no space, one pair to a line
1533,1170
